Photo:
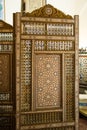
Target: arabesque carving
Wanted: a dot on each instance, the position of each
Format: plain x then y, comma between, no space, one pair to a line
48,11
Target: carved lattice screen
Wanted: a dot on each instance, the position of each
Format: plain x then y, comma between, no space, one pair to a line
7,91
83,66
46,70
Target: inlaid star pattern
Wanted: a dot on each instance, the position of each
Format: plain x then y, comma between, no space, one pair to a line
48,81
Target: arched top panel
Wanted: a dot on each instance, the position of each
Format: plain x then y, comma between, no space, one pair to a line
48,11
4,25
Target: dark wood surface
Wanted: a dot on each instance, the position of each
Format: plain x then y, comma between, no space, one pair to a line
82,122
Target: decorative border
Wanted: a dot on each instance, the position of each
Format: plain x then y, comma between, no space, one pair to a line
2,9
76,18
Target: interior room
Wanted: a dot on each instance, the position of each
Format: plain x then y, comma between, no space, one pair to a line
12,56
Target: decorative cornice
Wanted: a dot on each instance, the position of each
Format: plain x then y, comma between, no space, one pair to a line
4,25
48,11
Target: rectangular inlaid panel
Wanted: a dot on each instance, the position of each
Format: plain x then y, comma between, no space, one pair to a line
83,67
26,75
48,81
4,72
69,60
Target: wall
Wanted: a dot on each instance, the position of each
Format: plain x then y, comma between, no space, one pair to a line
11,6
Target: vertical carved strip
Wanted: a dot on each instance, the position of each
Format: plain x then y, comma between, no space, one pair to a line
76,71
69,86
26,75
5,73
33,76
18,80
63,90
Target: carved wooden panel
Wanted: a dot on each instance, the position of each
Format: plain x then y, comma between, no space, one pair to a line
46,70
83,67
51,29
7,89
7,122
4,72
69,84
26,69
47,81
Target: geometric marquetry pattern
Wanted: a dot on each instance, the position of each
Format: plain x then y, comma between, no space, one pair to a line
47,70
4,96
41,45
57,128
83,68
33,28
6,108
69,85
7,83
6,48
48,29
26,75
43,117
4,73
48,81
6,36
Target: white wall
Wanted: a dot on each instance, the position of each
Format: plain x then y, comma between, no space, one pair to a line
71,7
11,6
